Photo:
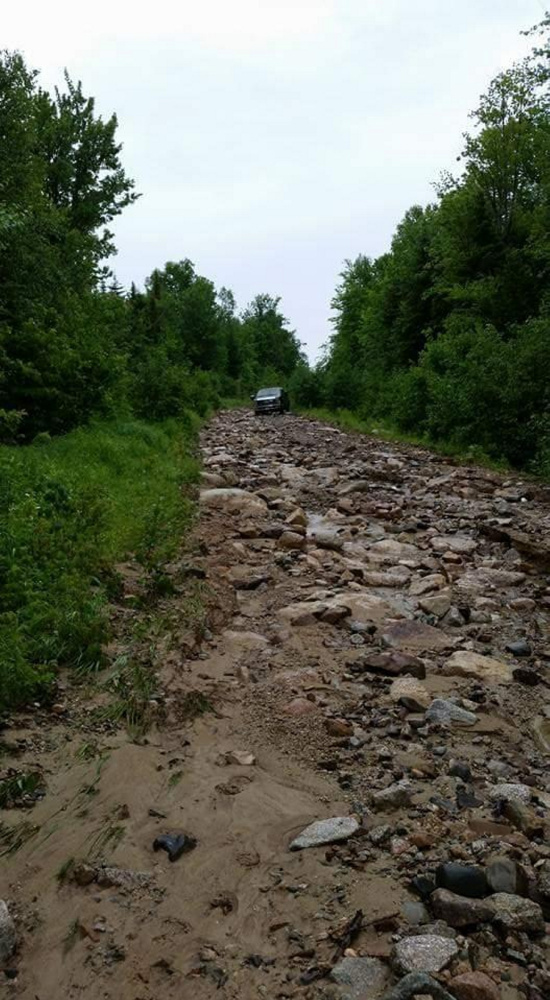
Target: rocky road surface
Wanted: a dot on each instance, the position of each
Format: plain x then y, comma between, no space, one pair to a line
365,810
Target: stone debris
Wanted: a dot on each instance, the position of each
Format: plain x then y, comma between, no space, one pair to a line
360,977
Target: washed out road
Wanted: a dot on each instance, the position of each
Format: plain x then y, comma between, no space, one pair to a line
376,655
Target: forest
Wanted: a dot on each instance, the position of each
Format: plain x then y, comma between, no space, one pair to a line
101,389
447,335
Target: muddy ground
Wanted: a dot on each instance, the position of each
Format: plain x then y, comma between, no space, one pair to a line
375,649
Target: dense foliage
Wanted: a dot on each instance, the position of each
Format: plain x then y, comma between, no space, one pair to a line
448,334
84,481
72,344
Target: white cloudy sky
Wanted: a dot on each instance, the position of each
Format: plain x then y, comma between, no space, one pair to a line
271,139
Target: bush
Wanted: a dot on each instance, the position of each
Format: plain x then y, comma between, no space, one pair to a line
69,510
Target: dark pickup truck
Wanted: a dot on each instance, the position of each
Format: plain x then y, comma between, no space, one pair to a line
273,400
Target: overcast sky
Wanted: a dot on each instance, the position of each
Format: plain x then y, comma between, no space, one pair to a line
272,139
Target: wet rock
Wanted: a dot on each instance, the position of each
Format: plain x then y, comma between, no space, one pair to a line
388,550
454,618
514,913
460,911
474,986
423,953
519,648
325,831
465,880
447,713
396,795
415,637
505,875
411,693
464,663
360,977
327,540
8,939
510,792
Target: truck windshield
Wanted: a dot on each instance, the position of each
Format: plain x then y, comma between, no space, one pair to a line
267,392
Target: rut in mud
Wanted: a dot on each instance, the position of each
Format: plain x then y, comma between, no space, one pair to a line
378,654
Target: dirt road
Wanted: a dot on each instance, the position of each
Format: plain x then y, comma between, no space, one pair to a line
376,653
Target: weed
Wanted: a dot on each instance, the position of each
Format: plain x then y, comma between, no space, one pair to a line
72,935
111,835
175,779
70,509
19,786
65,870
193,704
133,683
12,838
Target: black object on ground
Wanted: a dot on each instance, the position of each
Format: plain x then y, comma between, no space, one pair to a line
175,844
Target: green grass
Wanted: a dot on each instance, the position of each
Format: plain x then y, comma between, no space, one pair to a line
71,508
349,421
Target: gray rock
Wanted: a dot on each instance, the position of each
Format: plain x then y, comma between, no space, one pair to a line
417,984
8,938
415,913
380,834
325,831
446,713
396,795
360,977
460,911
519,648
510,792
515,913
504,875
543,879
423,953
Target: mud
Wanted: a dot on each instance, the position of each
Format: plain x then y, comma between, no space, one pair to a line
341,548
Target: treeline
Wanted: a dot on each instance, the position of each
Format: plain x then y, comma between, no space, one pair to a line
448,334
99,391
72,343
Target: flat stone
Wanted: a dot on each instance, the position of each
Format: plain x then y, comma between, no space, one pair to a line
325,831
426,584
233,499
464,663
474,986
8,939
411,693
446,713
394,664
360,977
465,880
423,953
299,707
389,550
486,578
415,637
515,913
510,792
460,911
438,604
459,544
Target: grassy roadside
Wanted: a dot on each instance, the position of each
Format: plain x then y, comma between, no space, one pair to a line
71,508
349,421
